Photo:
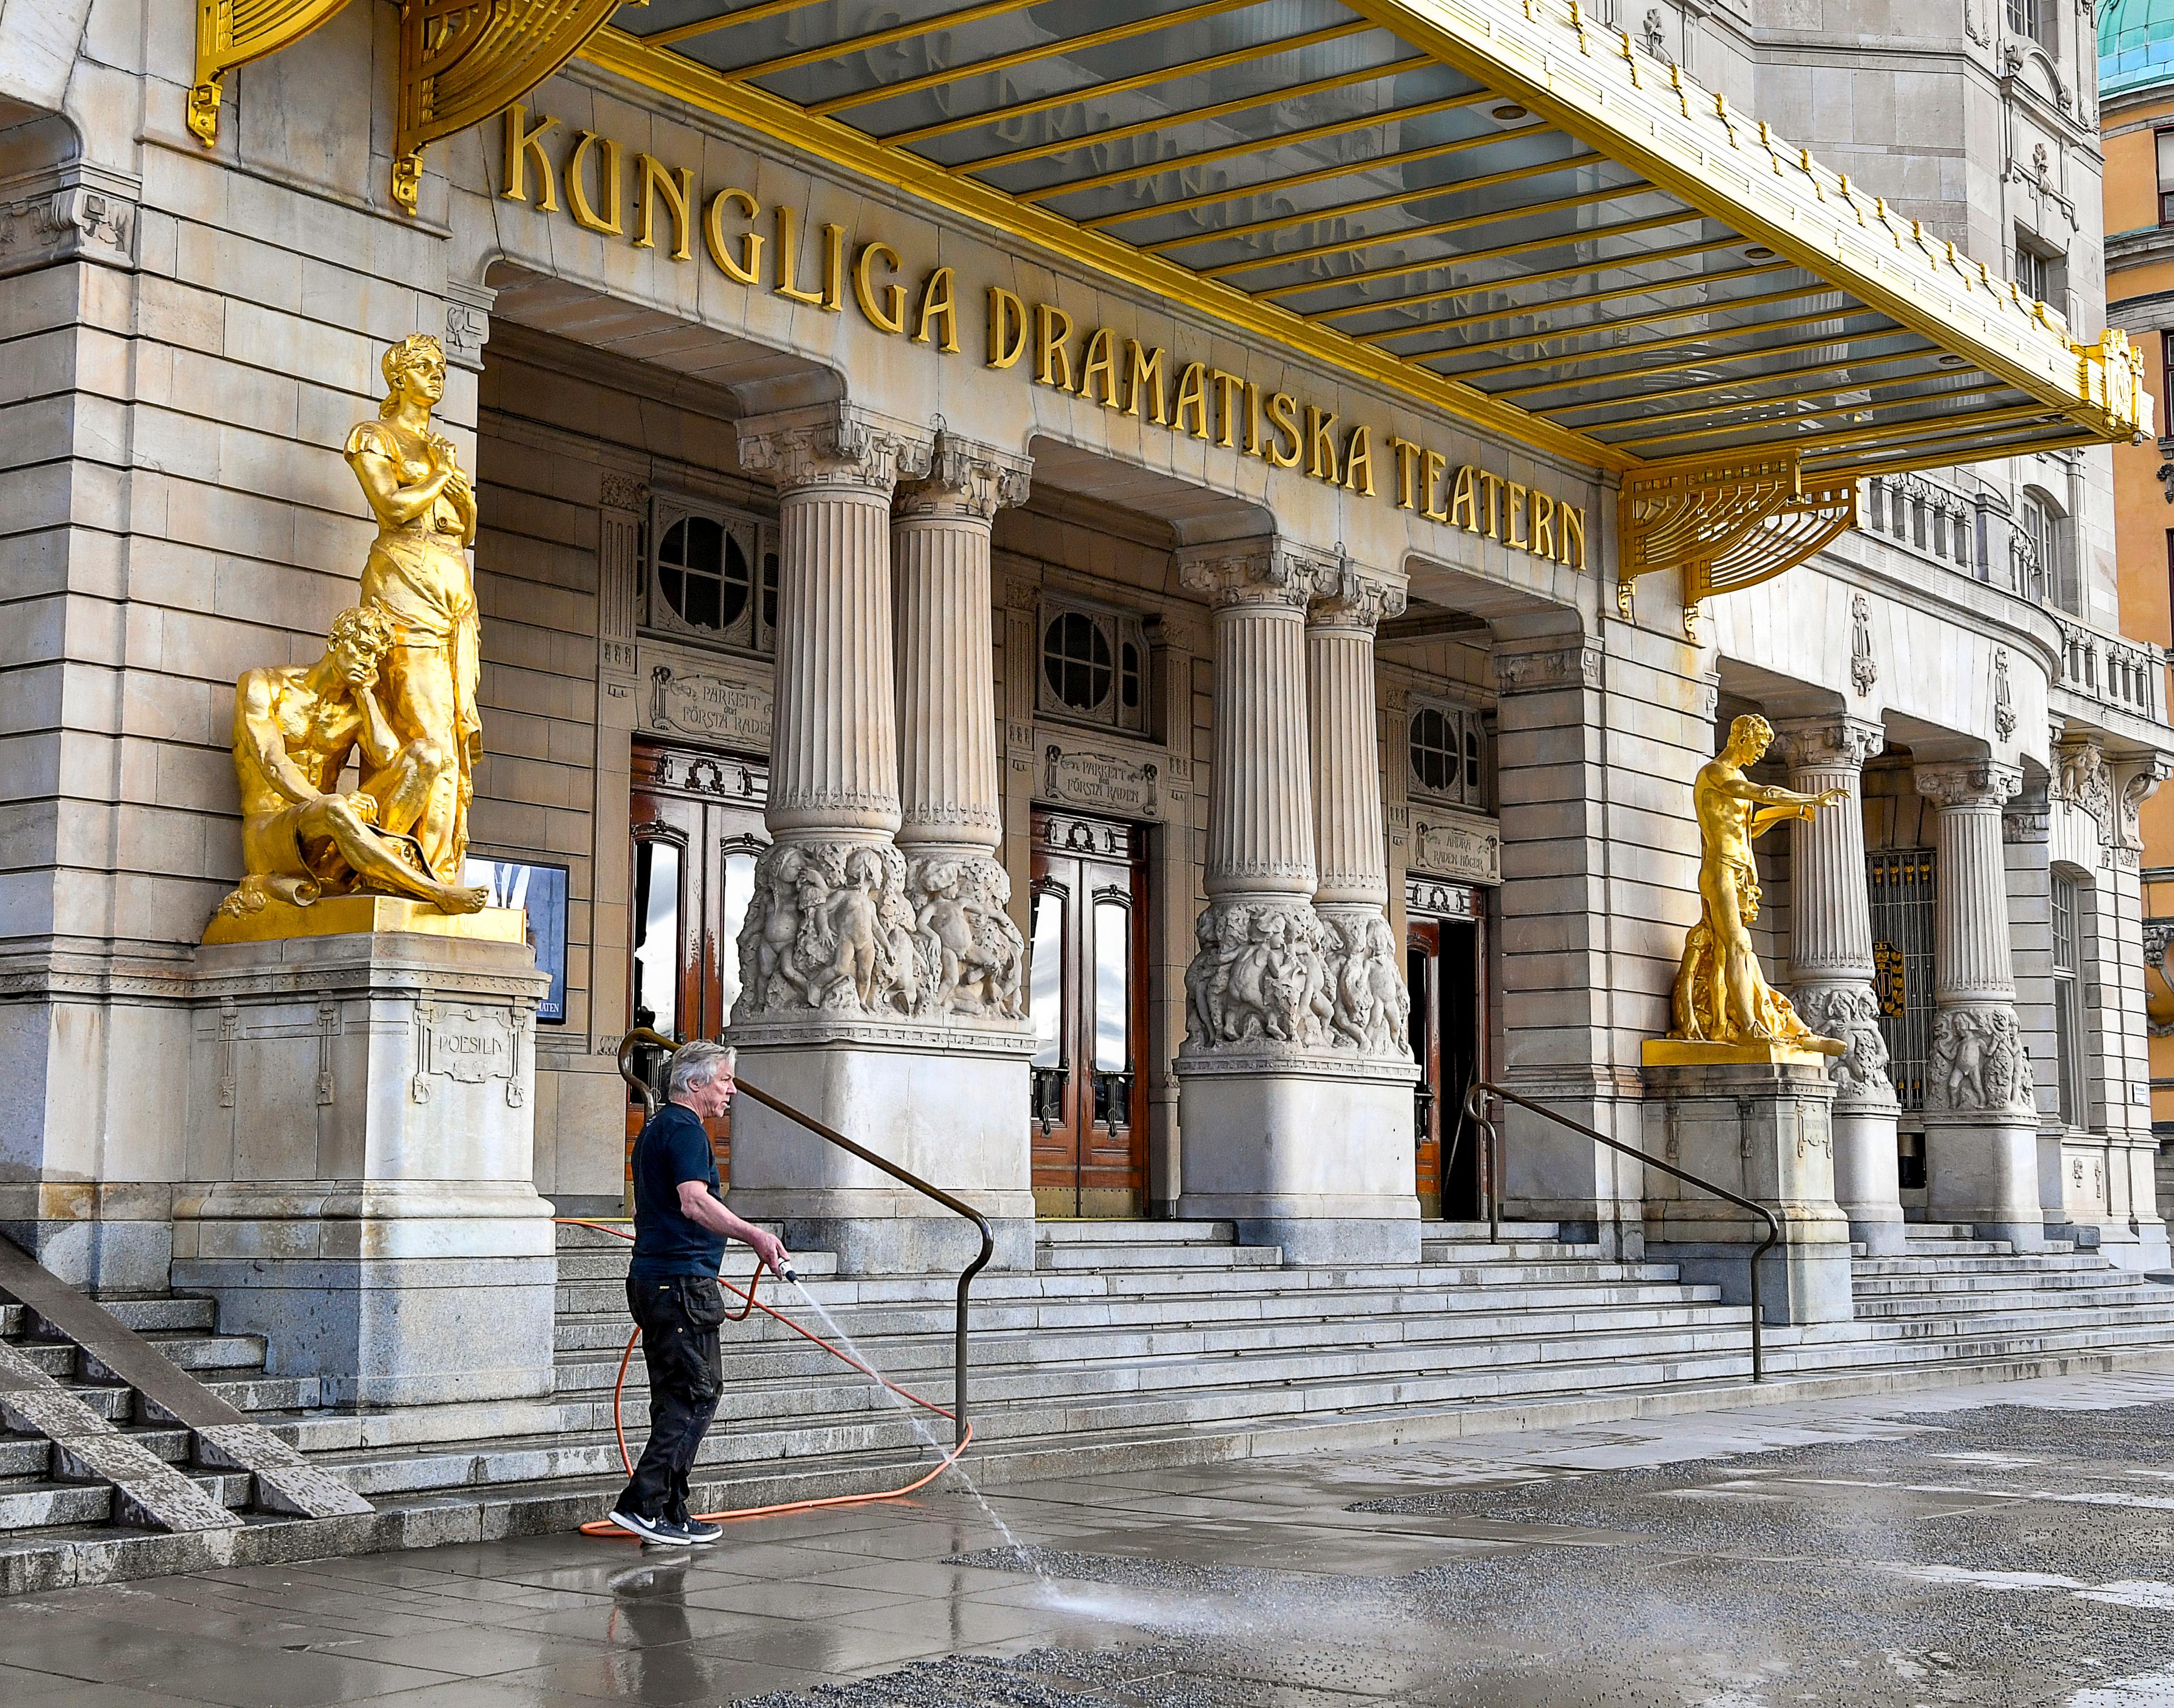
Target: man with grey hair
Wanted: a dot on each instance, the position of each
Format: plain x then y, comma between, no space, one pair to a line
680,1227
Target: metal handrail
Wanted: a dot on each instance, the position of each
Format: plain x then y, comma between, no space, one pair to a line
1486,1088
645,1034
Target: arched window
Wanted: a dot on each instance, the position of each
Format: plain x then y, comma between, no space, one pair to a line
2045,552
1094,665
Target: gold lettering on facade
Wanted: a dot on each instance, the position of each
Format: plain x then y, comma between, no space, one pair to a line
888,315
577,187
937,307
524,143
1142,369
1437,465
1321,445
1007,327
1228,388
788,263
1192,400
1052,361
1283,422
1407,455
1513,516
1358,460
678,189
1100,362
747,267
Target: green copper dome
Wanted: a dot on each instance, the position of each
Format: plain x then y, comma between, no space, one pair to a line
2136,46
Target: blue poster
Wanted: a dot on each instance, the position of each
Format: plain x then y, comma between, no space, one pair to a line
541,892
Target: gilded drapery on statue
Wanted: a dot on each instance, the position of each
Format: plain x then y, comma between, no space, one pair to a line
395,689
1721,997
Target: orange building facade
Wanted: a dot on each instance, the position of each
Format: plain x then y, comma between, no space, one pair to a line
2136,96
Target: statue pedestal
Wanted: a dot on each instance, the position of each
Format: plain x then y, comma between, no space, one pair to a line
1307,1149
1757,1120
360,1180
949,1103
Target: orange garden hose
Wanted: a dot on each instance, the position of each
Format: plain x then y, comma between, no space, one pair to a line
605,1527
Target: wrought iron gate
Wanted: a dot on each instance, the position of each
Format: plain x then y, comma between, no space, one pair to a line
1901,884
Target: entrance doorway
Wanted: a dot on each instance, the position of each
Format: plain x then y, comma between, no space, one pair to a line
1445,964
1088,938
697,828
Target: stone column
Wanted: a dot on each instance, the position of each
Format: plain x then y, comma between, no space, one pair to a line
1981,1115
1830,969
1295,1078
846,1010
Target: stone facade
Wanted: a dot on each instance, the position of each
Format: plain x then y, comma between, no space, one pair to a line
1342,721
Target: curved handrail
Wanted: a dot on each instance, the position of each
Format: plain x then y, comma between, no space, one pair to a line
1487,1125
649,1035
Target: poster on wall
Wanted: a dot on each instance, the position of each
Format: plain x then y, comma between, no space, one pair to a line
541,892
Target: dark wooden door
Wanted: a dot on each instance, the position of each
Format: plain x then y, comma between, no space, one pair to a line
697,828
1444,963
1088,938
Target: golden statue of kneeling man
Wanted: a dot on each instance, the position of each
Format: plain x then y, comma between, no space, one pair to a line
295,729
1721,995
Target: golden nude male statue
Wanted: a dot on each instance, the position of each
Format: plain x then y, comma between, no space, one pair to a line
417,575
1721,995
295,729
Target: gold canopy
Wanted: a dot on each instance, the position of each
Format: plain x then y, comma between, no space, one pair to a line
1496,206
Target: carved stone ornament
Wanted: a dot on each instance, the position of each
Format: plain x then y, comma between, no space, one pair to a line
2083,782
1863,667
1274,971
970,959
623,492
1252,572
2158,983
1851,1013
1979,1065
837,445
1346,596
1576,664
2138,788
1831,743
2004,701
966,478
845,928
1968,782
74,222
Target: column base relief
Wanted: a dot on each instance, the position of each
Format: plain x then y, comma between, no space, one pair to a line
1982,1126
852,940
1280,981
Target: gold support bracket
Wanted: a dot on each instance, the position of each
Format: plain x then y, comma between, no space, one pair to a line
1726,525
463,60
230,32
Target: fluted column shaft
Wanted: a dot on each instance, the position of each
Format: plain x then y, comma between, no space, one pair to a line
1831,968
1345,748
1260,813
946,683
834,741
1971,963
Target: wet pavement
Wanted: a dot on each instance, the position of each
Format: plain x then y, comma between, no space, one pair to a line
1994,1546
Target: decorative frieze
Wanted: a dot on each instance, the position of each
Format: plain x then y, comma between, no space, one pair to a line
1979,1064
70,222
1563,664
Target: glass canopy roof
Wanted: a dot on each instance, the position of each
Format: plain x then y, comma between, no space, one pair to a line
1495,205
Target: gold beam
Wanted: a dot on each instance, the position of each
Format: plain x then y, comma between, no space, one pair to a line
1979,389
1250,145
1725,523
1653,318
462,61
1119,85
230,32
1467,257
1439,227
786,125
1394,199
725,20
1778,377
1051,49
1576,269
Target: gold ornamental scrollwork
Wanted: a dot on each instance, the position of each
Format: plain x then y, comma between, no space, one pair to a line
230,32
463,60
1725,524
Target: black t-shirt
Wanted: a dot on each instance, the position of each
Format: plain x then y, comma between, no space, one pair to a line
673,1147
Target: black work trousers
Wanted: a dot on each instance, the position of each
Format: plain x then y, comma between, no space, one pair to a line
678,1316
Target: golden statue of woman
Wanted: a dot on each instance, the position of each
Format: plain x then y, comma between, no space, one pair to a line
1721,995
418,576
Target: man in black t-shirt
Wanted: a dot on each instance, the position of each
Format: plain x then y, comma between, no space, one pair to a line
680,1226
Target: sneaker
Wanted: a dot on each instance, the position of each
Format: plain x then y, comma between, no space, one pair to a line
699,1532
648,1529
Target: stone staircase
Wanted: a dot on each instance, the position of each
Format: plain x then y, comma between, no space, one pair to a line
1128,1344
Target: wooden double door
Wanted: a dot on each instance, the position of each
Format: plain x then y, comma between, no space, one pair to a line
1087,981
1445,964
697,831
